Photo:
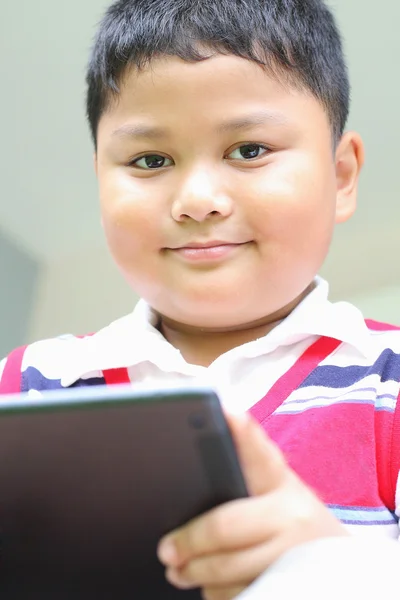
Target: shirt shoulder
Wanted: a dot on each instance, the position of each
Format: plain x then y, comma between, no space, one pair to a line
383,337
72,361
379,328
44,364
371,338
366,368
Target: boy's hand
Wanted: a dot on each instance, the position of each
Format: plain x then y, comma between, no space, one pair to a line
225,550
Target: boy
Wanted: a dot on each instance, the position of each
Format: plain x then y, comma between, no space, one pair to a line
223,168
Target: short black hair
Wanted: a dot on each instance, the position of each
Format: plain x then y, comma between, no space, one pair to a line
298,40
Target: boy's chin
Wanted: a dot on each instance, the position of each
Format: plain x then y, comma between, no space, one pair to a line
233,311
222,321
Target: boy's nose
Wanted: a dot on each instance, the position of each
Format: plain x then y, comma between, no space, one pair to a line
199,199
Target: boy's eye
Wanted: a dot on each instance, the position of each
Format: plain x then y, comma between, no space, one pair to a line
152,161
248,152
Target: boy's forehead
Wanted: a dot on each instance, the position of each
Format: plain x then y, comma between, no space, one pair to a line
206,79
222,89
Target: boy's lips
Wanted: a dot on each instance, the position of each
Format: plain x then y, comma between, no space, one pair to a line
207,251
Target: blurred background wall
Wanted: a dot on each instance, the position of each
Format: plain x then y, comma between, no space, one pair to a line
19,275
55,272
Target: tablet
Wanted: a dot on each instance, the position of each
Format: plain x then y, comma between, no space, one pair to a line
92,478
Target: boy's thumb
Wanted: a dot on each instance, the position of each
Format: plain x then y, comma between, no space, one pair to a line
263,464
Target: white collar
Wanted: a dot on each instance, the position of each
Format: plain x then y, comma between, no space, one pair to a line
134,339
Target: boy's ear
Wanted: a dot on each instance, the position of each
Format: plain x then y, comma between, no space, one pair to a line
349,161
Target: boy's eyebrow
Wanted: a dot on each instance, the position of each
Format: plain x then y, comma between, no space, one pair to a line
245,122
140,131
259,118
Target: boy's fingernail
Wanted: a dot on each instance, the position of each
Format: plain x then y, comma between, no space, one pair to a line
177,580
240,419
243,417
167,553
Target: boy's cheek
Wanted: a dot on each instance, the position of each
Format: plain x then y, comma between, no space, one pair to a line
297,197
129,219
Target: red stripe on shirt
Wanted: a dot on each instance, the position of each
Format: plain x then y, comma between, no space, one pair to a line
294,377
333,450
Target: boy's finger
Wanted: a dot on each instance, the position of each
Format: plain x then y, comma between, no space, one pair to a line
214,532
265,470
263,464
227,570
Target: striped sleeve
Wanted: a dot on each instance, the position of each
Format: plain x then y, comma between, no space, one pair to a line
2,366
397,496
10,382
7,383
44,365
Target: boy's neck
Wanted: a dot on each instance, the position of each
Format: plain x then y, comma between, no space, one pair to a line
202,347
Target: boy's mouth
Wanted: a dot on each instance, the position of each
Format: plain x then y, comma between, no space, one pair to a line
210,244
208,251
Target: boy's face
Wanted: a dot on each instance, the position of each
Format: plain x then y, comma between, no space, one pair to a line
219,153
